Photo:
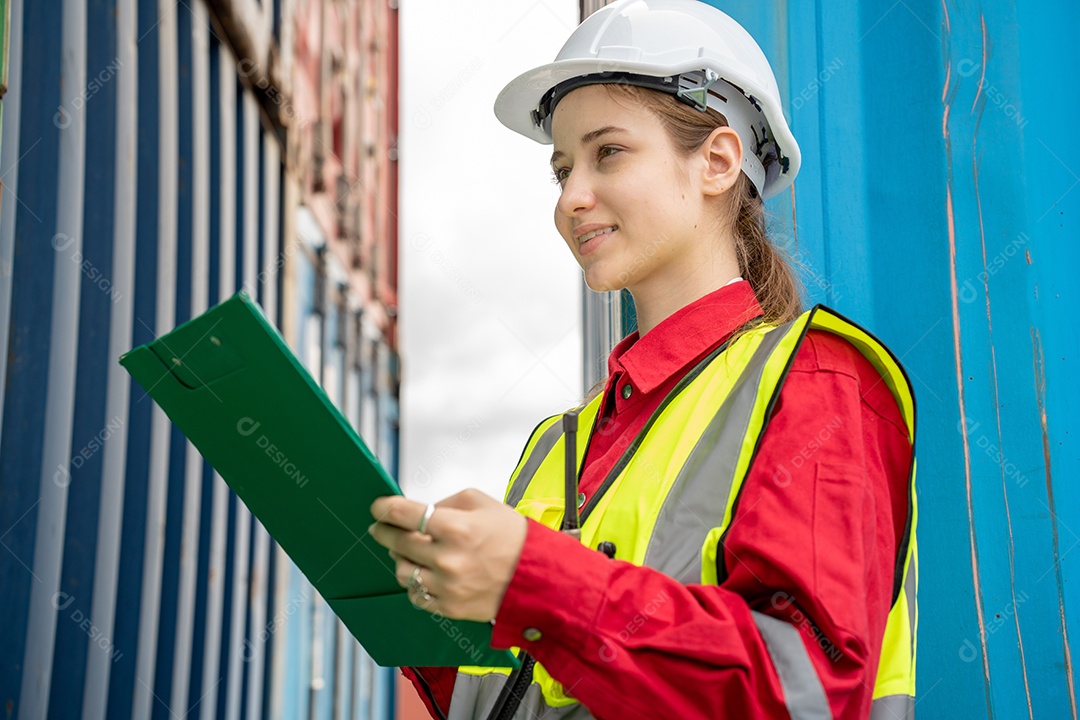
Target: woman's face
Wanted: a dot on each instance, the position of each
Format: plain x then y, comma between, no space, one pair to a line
629,208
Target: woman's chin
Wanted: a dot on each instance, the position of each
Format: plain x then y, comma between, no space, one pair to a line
599,282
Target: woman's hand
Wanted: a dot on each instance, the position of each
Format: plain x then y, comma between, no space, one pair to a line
466,555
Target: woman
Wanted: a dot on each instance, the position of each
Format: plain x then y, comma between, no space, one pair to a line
748,468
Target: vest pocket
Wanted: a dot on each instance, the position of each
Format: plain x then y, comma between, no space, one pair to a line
546,511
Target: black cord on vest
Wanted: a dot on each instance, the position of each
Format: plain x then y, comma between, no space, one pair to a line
570,524
513,692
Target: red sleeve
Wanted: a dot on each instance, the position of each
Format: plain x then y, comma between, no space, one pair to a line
813,543
435,686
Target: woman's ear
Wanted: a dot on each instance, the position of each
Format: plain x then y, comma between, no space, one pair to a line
722,156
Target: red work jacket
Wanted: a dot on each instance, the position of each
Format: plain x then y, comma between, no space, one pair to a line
828,539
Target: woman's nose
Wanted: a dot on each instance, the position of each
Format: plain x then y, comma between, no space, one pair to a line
577,195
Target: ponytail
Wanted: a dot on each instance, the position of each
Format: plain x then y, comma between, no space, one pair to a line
762,264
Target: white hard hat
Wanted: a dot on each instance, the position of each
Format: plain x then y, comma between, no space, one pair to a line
686,48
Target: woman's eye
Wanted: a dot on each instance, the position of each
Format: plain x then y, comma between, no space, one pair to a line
559,175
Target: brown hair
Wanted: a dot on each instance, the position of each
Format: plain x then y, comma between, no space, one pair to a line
761,263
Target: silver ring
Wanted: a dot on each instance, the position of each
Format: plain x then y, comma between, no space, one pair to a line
428,512
417,585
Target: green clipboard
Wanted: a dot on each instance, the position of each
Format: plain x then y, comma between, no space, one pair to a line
230,383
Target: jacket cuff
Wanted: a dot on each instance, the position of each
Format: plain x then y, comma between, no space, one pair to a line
556,592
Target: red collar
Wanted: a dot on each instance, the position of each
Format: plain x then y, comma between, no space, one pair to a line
684,336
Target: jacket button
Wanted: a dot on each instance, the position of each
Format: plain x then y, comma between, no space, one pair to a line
531,634
580,499
627,391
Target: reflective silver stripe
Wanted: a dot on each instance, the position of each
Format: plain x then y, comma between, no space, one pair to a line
698,498
893,707
532,464
474,697
803,693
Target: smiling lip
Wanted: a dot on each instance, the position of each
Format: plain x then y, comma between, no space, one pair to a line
583,230
591,239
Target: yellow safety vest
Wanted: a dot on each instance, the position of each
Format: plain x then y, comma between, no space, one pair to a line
673,474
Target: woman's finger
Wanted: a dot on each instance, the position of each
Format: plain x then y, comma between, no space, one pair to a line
418,581
399,511
404,570
406,544
468,499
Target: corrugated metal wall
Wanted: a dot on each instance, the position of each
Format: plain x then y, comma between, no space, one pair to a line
936,205
144,182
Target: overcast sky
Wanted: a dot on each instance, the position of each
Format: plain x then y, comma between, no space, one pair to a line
490,306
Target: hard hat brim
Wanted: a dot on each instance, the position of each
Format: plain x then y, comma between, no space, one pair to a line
516,102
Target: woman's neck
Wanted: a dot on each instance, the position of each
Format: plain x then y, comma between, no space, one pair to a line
655,304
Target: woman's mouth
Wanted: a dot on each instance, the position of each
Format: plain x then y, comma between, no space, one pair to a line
589,241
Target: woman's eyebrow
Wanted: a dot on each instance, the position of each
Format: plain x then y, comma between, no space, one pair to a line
589,137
